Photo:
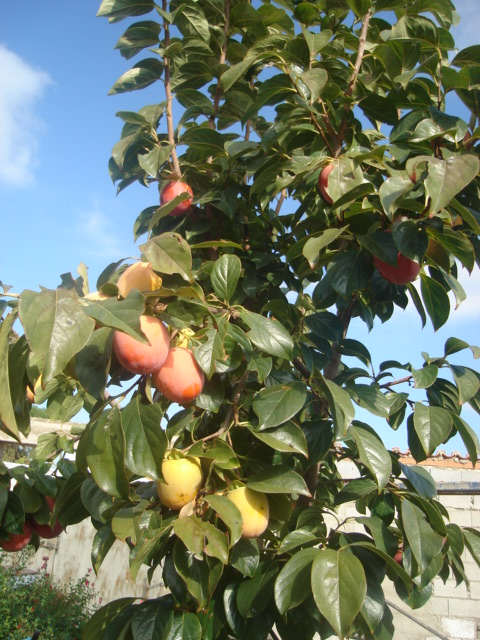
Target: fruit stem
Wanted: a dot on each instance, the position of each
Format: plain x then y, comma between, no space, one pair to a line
168,94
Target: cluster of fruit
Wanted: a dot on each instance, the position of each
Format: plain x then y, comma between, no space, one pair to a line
17,541
183,478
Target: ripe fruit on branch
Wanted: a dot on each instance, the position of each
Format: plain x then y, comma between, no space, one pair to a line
171,191
404,271
29,394
183,477
323,183
139,275
254,508
139,357
45,530
17,541
180,379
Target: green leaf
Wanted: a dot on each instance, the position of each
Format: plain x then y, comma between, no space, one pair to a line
116,10
372,454
224,276
210,351
191,21
185,626
339,587
245,556
152,161
341,407
202,537
446,178
348,272
205,142
138,36
254,594
268,335
423,540
145,440
105,452
468,56
287,437
278,479
292,585
432,425
356,489
436,300
420,480
467,382
469,437
123,315
315,79
126,521
7,415
425,376
313,246
371,398
472,542
56,327
169,253
453,345
101,545
116,613
229,513
276,404
141,75
196,574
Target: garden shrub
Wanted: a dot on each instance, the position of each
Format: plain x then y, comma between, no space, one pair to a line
29,602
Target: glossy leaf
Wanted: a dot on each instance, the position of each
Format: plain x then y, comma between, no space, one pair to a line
56,327
225,275
105,453
373,454
339,587
145,440
279,403
278,480
268,335
432,425
169,253
292,585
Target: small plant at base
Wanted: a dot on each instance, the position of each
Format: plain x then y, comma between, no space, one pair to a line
38,602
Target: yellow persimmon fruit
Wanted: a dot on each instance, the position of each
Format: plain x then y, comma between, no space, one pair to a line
183,478
139,275
253,505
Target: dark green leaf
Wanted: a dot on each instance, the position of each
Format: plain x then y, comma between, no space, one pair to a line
224,276
268,335
105,452
278,479
339,587
145,440
292,585
279,403
373,454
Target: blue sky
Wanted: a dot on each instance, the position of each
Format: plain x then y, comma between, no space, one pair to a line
58,206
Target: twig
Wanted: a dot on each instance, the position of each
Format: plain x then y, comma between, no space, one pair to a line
223,57
353,79
237,392
387,385
168,94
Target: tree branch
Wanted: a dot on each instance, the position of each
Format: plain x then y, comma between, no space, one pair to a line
168,93
353,80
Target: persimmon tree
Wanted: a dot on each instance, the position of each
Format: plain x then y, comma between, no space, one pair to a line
259,276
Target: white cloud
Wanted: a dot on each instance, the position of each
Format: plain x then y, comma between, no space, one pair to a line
97,235
21,86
